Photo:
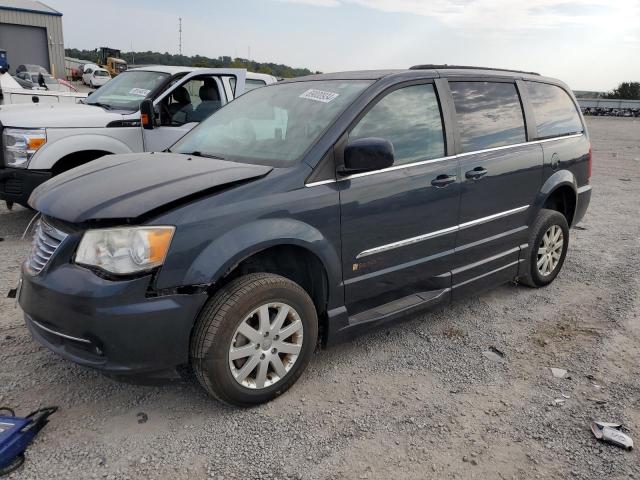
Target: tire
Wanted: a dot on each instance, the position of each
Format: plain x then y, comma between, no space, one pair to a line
217,337
547,222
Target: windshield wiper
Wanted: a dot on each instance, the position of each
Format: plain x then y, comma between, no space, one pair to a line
103,105
198,153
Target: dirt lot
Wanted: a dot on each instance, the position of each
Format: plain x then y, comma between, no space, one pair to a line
413,400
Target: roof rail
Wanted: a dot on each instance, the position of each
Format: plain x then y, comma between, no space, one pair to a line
430,66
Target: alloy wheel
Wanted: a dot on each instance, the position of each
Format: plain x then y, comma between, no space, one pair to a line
550,250
266,345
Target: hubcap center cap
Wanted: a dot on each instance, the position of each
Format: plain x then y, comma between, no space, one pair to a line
266,344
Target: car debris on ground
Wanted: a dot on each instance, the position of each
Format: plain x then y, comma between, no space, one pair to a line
558,372
611,433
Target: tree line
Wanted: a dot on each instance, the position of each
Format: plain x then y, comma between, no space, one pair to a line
625,91
157,58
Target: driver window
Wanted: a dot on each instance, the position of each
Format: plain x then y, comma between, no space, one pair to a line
193,101
410,119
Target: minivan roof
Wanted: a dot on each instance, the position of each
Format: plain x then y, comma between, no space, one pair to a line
428,71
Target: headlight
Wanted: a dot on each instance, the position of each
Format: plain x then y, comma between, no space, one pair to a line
20,145
125,250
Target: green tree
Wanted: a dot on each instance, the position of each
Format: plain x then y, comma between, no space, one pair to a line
157,58
626,91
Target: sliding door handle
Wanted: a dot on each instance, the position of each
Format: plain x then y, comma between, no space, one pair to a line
443,180
476,173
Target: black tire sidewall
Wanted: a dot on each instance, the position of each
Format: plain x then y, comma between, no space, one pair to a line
216,363
549,218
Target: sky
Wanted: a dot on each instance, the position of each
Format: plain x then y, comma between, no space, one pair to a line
590,44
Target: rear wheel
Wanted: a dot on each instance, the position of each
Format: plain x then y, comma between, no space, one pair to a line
253,339
548,244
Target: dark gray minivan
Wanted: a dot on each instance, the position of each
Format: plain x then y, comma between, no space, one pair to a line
301,213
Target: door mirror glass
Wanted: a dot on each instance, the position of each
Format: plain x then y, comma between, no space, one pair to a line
367,154
147,114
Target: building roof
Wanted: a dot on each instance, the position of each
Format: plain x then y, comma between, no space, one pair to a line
29,6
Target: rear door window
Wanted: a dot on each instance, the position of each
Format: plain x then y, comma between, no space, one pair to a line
410,119
554,111
250,84
489,114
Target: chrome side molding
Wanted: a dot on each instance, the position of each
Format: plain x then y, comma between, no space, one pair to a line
438,233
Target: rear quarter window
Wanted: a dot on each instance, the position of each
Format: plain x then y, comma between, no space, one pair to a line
489,114
250,84
554,111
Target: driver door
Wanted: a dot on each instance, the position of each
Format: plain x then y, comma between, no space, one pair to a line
187,102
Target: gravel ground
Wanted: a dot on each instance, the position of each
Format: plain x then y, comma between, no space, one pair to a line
413,400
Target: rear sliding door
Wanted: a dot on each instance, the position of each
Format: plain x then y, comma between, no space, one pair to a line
500,178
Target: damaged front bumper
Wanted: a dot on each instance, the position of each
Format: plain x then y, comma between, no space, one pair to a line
113,326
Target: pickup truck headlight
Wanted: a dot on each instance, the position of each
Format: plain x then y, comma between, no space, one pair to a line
20,145
125,250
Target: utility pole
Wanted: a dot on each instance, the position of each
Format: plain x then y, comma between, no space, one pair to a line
180,35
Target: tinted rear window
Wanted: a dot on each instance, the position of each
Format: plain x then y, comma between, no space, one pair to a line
489,114
554,110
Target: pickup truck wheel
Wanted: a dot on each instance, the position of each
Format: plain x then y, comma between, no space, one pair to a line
548,244
253,339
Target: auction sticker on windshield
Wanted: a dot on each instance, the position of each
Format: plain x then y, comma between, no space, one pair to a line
143,92
319,95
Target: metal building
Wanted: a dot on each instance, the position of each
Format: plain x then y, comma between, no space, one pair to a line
31,32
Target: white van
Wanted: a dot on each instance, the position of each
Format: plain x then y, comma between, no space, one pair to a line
40,141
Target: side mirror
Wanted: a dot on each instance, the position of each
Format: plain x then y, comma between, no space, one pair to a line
367,154
41,81
147,115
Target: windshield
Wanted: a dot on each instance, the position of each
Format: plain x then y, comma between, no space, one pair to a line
273,125
128,89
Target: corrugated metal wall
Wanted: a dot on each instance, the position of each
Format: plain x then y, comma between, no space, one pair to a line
53,24
608,103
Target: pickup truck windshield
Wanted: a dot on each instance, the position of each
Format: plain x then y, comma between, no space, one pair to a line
273,125
127,90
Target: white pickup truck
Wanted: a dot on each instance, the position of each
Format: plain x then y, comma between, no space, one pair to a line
41,140
11,93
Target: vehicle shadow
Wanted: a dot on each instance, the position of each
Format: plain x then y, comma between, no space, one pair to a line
14,222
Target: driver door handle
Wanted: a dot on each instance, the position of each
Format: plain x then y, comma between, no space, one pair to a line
443,180
476,173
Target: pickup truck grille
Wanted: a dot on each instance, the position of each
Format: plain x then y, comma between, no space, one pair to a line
12,186
46,241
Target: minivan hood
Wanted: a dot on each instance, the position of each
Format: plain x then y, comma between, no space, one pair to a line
128,186
56,115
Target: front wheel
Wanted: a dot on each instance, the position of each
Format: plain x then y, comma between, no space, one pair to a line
548,244
253,339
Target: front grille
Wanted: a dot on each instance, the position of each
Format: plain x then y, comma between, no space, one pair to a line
46,241
12,186
1,147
